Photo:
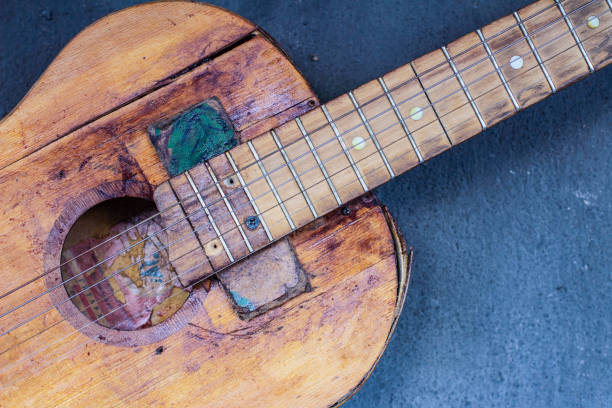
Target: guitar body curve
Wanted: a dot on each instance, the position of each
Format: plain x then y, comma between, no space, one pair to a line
79,138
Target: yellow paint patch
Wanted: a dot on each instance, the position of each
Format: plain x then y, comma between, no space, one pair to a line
169,306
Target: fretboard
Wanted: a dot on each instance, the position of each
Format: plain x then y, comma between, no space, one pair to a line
225,209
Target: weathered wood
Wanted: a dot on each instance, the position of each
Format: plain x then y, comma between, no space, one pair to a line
116,147
130,55
316,348
346,260
109,153
265,280
50,186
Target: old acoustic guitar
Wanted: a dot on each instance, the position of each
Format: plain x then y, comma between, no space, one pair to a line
184,224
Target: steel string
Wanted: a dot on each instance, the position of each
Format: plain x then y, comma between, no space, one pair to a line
215,273
339,153
322,127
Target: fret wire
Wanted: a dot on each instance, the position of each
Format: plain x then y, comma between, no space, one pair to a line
250,197
401,119
528,35
467,92
450,77
535,52
343,145
499,71
371,133
209,215
575,35
387,128
463,52
431,104
313,150
229,207
281,203
294,173
459,90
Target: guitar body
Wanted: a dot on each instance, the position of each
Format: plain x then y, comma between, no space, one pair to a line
79,138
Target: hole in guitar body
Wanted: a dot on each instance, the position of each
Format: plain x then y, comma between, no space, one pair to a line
115,266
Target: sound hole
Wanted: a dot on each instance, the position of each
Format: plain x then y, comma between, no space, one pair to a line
115,266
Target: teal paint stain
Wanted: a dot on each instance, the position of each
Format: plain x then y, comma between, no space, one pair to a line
151,271
192,137
242,301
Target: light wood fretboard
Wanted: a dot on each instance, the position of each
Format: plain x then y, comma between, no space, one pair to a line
266,188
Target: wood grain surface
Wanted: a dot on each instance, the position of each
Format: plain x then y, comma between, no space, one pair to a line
65,155
67,159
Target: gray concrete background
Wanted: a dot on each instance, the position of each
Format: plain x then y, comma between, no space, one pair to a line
510,303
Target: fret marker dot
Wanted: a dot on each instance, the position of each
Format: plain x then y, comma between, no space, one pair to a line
358,143
416,113
516,62
252,222
593,22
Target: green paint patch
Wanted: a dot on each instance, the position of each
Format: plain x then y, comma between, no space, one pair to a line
193,137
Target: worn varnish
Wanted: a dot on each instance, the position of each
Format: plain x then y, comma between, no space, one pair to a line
316,345
112,62
62,158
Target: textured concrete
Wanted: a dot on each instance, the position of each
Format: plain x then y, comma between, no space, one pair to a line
511,297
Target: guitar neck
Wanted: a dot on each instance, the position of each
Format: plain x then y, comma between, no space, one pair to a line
266,188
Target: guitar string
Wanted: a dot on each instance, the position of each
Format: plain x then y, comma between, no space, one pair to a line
89,340
399,86
210,275
434,67
228,231
459,90
312,132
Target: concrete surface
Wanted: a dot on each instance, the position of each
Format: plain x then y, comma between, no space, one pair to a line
511,297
